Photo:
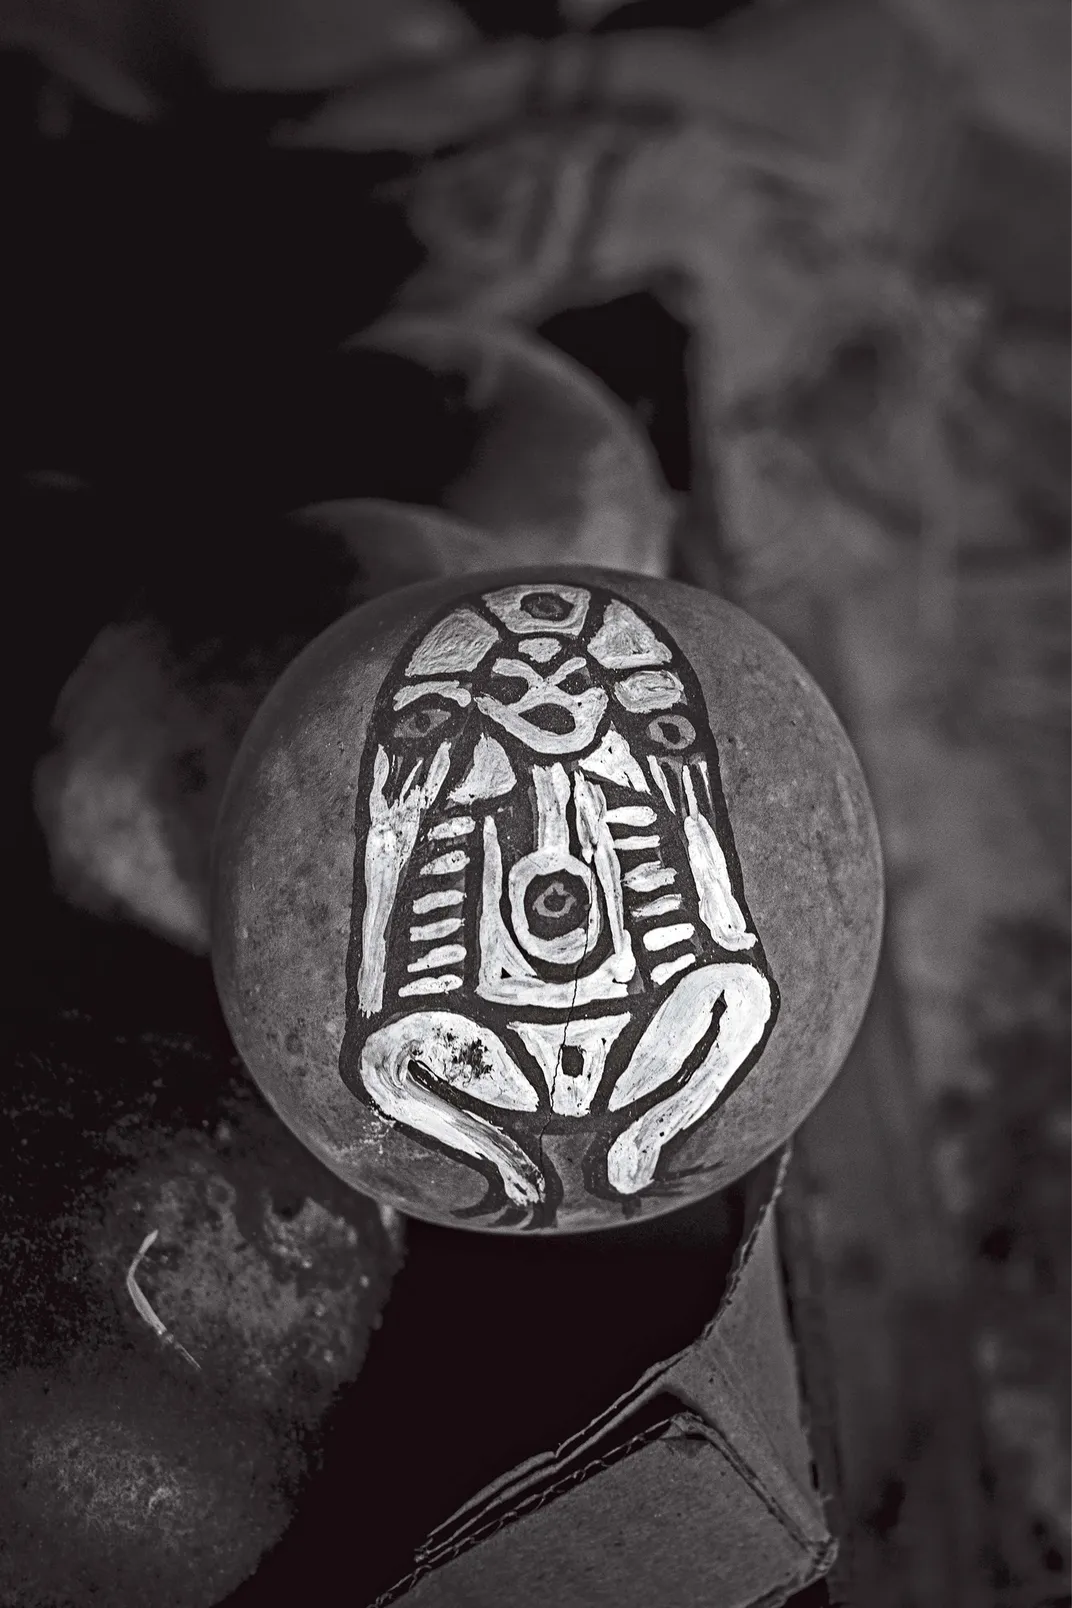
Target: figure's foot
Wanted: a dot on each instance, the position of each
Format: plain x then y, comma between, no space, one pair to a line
486,1209
543,1215
517,1200
630,1166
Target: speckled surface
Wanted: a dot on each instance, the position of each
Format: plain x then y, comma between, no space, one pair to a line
186,1293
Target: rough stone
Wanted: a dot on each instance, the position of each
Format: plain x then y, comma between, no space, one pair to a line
322,837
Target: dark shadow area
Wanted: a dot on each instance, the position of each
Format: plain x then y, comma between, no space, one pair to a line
638,349
492,1351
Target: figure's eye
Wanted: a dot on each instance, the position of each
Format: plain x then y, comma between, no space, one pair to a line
672,731
420,721
578,681
545,606
506,689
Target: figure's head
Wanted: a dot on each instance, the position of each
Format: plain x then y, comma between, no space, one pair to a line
551,666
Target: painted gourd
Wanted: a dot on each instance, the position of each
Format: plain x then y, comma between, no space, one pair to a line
545,900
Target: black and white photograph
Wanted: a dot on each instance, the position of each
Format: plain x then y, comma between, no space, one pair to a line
539,906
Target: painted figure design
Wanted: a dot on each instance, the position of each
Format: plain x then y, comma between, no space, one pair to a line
549,928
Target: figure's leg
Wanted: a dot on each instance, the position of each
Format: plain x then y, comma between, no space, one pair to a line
400,1060
674,1032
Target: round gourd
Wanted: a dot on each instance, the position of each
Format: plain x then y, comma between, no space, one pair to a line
546,898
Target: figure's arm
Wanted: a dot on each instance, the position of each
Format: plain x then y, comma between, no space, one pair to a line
391,839
719,910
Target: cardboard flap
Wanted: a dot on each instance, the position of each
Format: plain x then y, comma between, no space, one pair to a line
673,1518
693,1488
741,1375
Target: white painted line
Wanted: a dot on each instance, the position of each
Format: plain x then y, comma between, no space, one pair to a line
649,875
668,968
446,865
455,826
436,901
445,955
663,937
659,907
444,984
434,929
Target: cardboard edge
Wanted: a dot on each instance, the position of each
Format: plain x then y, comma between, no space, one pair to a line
664,1416
634,1419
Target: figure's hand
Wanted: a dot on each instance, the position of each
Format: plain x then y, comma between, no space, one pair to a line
437,775
381,769
392,837
721,913
398,819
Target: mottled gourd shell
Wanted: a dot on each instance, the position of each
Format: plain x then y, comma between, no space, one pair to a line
545,899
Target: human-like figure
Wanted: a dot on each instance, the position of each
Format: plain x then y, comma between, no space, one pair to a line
549,927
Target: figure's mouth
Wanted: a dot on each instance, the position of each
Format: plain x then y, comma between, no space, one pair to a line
551,717
549,720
